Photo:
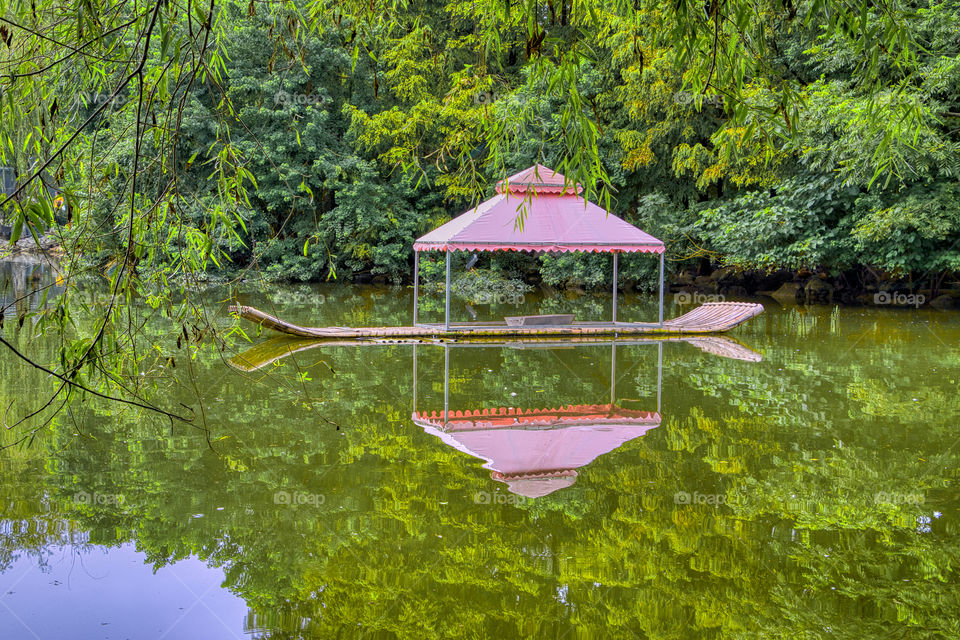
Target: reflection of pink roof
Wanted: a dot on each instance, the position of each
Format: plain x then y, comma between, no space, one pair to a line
536,487
574,414
555,218
538,451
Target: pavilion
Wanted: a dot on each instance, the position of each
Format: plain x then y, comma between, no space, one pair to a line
554,218
538,211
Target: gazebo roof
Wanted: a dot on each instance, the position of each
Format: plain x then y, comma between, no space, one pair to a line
537,178
555,218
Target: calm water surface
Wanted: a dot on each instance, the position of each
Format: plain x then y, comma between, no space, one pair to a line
799,483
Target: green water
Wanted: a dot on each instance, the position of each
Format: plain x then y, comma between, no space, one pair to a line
810,494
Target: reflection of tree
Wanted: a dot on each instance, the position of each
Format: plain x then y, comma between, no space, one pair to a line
399,547
25,284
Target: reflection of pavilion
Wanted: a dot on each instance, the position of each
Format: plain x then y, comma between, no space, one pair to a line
537,451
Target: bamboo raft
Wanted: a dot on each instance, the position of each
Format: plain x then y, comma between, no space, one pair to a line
279,347
712,317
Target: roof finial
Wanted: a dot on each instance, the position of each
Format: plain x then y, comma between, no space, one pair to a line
539,179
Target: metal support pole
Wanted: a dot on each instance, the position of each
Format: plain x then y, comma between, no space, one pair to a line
446,383
659,372
416,291
414,379
613,375
446,321
660,319
614,287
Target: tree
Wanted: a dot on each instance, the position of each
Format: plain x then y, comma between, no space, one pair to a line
155,122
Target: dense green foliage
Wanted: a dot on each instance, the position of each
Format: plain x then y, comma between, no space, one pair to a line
316,140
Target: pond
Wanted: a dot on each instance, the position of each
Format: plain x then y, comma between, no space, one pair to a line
800,481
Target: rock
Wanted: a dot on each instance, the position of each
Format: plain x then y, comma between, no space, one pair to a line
683,278
362,278
818,290
735,291
788,292
725,273
943,302
28,244
705,284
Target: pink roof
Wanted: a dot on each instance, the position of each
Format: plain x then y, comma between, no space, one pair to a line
537,178
538,451
555,218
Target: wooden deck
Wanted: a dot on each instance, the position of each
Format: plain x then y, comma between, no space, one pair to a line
712,317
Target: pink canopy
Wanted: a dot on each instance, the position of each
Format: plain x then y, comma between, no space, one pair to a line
538,451
555,218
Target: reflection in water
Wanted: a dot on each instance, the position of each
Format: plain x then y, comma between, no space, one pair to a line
812,494
25,283
94,593
536,451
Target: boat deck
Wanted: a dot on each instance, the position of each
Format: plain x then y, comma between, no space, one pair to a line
712,317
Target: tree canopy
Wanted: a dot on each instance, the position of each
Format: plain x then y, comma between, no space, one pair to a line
175,142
